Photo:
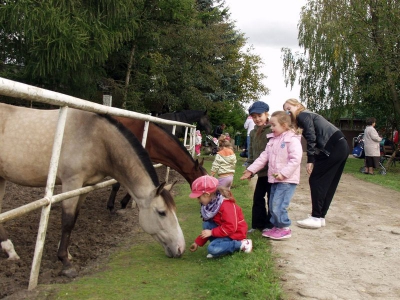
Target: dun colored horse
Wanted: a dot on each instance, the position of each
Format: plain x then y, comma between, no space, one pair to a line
94,146
187,116
164,148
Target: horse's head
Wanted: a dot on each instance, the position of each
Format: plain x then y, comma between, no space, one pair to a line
197,171
159,220
204,123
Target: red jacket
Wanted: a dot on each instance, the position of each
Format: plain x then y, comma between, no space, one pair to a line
230,221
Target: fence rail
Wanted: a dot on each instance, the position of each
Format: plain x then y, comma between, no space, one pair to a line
19,90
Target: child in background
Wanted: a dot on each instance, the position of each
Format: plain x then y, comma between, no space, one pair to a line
197,142
223,220
284,153
224,163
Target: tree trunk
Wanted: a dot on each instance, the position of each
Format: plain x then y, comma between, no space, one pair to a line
128,75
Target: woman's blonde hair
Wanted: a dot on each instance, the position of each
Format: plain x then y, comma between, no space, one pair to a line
295,102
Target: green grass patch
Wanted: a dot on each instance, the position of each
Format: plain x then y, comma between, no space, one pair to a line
390,180
144,272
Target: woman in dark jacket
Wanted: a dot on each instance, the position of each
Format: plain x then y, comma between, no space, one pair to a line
327,152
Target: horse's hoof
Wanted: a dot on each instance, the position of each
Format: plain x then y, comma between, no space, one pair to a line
70,273
13,257
121,212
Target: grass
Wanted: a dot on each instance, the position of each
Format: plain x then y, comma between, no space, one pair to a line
390,180
144,272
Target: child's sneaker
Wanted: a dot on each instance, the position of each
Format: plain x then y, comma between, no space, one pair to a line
247,246
268,232
251,230
210,256
280,234
323,223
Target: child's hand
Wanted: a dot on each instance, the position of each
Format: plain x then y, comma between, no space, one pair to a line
193,247
206,233
278,176
246,175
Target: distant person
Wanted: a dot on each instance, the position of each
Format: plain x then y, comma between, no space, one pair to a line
223,220
248,125
327,152
198,141
396,136
224,163
283,155
219,130
371,146
260,212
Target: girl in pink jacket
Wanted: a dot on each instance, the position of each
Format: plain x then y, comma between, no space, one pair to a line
283,153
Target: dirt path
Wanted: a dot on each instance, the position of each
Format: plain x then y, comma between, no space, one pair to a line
357,254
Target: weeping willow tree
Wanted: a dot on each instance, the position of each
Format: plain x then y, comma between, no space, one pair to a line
351,57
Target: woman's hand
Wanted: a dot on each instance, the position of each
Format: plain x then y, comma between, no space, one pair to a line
206,233
246,175
193,247
310,167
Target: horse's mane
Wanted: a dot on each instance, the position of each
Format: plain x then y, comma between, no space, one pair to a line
141,152
183,115
144,157
175,139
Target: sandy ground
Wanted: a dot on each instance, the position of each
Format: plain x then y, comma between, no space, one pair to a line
357,254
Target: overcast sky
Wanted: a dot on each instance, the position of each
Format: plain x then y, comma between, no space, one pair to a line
270,25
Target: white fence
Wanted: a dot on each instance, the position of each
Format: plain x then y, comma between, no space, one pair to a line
27,92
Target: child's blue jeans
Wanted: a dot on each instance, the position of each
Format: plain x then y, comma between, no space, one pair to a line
220,246
281,194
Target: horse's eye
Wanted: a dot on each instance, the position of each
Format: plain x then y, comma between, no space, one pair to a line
161,213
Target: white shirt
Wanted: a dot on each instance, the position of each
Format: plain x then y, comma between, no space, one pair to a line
249,125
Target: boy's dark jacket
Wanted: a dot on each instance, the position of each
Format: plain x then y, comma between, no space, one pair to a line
230,221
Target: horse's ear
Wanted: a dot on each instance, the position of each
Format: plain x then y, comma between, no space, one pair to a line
169,187
205,113
199,163
160,188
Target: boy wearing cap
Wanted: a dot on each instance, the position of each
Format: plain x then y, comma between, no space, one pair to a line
260,215
223,220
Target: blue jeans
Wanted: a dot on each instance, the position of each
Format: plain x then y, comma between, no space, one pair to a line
220,246
281,194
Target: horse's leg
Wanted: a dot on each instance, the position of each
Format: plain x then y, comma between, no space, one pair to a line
5,243
125,201
2,191
111,199
70,211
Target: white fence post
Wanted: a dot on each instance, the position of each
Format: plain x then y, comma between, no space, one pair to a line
51,179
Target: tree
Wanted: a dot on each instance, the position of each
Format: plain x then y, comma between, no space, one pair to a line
351,56
62,44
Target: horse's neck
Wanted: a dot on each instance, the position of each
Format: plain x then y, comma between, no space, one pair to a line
129,169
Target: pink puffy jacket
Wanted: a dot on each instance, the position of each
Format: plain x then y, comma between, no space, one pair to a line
283,154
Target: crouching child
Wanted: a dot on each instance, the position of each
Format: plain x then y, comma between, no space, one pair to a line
223,220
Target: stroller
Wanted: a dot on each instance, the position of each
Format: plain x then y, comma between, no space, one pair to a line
213,143
358,152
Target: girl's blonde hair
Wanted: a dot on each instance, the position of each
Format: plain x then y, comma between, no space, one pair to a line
224,143
226,192
283,119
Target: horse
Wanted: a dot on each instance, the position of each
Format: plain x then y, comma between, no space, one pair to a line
164,148
187,116
88,155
